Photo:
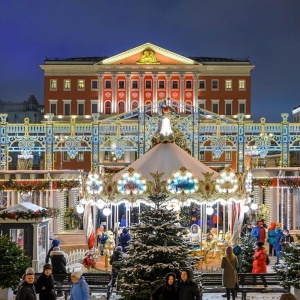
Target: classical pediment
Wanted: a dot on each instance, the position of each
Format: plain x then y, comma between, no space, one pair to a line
148,54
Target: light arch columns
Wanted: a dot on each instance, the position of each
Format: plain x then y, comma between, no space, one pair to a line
241,145
285,140
49,142
154,107
3,145
95,142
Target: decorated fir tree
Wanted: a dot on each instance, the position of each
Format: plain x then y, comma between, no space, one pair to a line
157,247
247,245
13,263
288,270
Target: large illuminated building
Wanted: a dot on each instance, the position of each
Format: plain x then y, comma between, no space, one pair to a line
144,76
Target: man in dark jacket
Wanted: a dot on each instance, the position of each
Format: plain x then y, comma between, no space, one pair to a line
58,261
26,290
285,240
124,239
44,285
188,289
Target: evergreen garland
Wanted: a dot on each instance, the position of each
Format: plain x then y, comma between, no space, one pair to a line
13,263
247,244
288,270
156,248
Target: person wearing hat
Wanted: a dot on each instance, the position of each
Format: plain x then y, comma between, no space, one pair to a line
124,239
55,243
26,289
80,289
45,284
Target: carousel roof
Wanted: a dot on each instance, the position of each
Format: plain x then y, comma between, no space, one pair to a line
24,207
166,158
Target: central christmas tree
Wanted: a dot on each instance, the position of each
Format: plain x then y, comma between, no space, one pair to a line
157,247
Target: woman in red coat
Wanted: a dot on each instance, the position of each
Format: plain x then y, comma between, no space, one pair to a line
259,259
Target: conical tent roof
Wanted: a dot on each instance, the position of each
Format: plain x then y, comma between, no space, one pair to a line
166,158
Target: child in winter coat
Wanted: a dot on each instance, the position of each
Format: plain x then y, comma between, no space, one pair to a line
271,238
277,246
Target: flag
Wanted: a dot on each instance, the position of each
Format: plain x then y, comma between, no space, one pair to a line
88,226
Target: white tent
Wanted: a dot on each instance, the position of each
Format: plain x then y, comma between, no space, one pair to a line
24,206
166,158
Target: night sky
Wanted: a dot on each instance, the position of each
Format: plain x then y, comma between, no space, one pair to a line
266,31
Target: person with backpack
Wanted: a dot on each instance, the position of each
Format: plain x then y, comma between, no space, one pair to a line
26,289
44,285
80,289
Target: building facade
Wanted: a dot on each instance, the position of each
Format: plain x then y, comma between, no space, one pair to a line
142,77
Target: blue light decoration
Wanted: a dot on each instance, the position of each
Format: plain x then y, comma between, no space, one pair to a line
182,183
132,183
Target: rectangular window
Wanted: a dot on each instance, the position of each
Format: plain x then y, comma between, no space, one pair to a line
188,84
53,85
148,84
215,107
80,156
202,155
134,84
67,84
108,84
67,109
242,106
161,84
94,109
215,157
228,107
228,155
66,156
53,109
202,85
94,84
215,85
121,84
202,104
175,84
81,84
80,108
228,85
242,85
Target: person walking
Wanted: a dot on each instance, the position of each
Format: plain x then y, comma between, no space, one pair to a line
262,231
277,246
229,264
26,289
58,261
285,240
188,289
272,238
115,268
168,290
259,259
80,288
44,285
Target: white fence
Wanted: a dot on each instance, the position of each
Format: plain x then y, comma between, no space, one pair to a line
75,259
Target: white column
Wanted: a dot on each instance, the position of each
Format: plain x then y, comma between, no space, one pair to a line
114,98
195,89
181,92
127,104
100,93
154,93
168,76
141,90
35,247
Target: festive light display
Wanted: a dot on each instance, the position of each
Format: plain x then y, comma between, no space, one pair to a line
227,183
132,183
94,185
182,182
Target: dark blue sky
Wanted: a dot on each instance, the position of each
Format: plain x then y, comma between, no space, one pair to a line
267,31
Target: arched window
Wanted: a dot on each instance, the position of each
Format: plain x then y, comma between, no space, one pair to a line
188,109
121,107
107,107
134,105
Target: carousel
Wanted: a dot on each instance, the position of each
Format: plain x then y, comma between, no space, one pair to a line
216,200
